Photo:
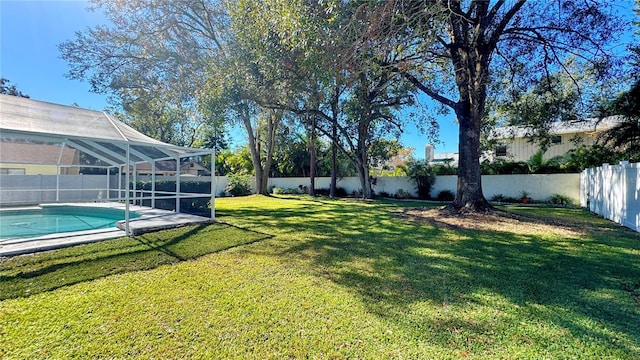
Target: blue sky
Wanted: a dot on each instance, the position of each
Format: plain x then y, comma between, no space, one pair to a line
30,32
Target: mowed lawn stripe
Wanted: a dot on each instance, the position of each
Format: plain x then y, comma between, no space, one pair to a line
320,278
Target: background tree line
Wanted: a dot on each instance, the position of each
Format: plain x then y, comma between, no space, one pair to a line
335,78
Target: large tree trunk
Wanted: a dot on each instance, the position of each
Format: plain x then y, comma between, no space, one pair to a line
469,190
471,62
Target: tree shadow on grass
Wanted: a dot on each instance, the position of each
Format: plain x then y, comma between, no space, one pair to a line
28,275
584,285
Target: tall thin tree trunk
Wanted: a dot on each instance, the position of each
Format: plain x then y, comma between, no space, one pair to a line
261,172
333,188
254,148
365,181
312,157
273,121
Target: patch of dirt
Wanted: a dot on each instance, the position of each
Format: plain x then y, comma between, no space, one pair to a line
494,220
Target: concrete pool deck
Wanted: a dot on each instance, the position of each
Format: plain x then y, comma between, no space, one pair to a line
150,220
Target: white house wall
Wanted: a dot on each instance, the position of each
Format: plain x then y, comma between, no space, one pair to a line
520,149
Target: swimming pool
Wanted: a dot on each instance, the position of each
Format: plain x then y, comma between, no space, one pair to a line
34,222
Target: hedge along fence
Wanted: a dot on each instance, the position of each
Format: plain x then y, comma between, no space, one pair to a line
195,205
539,187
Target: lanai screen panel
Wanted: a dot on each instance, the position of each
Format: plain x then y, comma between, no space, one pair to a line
37,117
87,130
72,139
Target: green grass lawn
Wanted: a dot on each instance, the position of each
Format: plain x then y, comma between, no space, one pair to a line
298,277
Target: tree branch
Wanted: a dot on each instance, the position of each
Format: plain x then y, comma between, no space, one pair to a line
502,25
428,91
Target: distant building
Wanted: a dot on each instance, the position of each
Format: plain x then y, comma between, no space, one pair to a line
513,142
449,158
168,168
429,153
32,158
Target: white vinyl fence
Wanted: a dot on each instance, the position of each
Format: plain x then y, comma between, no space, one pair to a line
539,187
36,189
613,191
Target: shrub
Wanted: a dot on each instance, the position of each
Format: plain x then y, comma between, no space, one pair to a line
340,192
444,169
422,174
559,199
283,191
503,167
238,185
402,194
498,198
196,206
445,195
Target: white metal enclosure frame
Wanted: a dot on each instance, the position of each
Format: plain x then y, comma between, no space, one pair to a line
98,135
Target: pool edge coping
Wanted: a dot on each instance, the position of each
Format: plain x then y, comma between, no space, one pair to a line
150,220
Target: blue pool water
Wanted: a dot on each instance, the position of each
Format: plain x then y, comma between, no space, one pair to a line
26,223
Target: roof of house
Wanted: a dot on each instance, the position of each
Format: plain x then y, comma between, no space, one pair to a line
558,128
40,154
96,133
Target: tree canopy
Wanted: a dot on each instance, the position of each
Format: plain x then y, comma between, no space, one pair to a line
459,52
8,88
346,70
151,59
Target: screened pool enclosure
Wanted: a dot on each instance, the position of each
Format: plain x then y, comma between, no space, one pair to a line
52,153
